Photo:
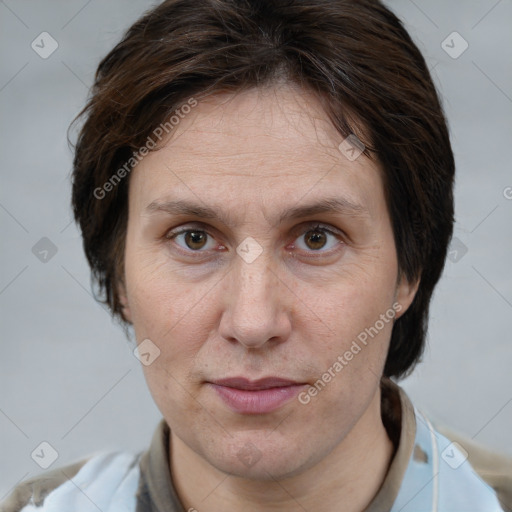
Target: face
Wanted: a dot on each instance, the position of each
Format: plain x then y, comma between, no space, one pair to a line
257,254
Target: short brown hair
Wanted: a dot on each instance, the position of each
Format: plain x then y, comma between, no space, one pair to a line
355,56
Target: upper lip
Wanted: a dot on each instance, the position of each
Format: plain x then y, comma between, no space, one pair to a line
254,385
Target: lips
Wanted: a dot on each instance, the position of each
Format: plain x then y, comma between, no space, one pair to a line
255,385
258,396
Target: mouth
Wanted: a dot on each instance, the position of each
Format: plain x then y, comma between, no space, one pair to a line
260,396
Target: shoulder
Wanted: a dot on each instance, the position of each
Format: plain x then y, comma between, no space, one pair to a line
445,471
494,468
444,478
106,481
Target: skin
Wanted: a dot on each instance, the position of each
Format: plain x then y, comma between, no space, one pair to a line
290,313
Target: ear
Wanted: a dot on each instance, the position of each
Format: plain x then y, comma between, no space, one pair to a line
123,299
405,293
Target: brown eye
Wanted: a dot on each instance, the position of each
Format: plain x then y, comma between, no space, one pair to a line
318,239
195,239
315,239
192,240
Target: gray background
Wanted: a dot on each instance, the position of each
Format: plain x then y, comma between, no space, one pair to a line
67,374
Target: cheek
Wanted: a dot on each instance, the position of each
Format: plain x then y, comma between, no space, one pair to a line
175,315
156,299
351,301
177,318
357,315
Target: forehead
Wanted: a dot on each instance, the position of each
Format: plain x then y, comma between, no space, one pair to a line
275,143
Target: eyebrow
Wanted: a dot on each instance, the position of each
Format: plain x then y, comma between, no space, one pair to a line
333,205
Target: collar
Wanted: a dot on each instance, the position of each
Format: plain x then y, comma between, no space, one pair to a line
156,492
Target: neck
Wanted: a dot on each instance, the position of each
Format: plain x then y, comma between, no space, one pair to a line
350,475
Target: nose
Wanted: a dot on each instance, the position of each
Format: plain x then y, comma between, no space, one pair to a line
256,304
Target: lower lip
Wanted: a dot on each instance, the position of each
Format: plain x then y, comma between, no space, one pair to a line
256,402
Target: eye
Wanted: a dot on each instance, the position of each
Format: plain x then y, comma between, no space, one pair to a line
192,239
317,239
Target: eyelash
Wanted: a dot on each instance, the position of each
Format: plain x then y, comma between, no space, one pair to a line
171,235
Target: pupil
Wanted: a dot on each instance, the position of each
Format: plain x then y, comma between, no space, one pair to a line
318,239
194,238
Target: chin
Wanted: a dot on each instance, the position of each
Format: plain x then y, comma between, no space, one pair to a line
265,470
257,458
